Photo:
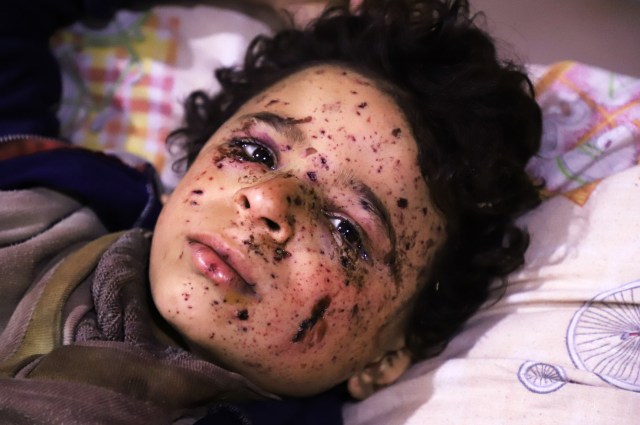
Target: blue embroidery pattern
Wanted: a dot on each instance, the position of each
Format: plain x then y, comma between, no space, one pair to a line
541,378
604,337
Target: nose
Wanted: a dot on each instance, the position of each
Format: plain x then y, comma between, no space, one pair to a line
269,206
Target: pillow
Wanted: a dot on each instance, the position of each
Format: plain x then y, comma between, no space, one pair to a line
591,127
123,85
563,343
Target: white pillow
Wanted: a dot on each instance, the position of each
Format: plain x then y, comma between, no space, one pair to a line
563,344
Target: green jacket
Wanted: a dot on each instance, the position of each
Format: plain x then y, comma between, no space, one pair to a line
77,344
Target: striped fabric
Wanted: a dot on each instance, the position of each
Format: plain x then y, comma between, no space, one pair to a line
118,84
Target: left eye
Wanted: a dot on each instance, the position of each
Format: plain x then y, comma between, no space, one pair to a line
253,151
350,233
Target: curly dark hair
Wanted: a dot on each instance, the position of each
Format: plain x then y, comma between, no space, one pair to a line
473,116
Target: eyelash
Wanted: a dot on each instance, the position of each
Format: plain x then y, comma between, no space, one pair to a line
249,150
351,235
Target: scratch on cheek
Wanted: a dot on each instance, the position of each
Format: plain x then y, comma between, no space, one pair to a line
317,315
280,254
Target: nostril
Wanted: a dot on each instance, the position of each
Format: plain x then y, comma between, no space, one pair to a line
272,225
246,203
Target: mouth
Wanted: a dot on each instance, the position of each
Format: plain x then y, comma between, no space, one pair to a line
214,263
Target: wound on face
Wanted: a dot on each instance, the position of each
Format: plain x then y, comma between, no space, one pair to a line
316,314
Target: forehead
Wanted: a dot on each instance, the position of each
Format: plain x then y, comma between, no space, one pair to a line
340,112
359,133
349,99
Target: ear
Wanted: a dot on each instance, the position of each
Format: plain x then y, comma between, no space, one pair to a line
382,372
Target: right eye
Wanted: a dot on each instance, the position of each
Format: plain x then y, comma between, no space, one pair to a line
251,150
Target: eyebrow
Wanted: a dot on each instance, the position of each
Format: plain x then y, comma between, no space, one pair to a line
286,126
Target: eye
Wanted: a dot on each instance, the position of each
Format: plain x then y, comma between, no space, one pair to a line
350,234
251,150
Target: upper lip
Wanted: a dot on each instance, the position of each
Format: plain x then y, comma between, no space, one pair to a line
230,256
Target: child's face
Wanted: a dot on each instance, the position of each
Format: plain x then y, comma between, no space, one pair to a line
293,245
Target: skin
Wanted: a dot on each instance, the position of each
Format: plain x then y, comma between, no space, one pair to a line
256,261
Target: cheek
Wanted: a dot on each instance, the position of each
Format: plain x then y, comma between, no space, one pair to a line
420,239
316,300
341,311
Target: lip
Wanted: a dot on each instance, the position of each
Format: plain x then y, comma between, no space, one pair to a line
220,265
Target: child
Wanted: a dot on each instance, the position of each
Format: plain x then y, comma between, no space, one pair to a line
350,197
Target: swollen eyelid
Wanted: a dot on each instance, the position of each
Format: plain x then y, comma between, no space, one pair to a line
254,151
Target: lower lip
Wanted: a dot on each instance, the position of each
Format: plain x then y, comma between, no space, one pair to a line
209,263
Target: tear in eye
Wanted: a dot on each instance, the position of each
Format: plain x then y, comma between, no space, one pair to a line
347,230
254,151
350,234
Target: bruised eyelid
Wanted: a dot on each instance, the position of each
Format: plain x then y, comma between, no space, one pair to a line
363,224
286,127
362,247
359,207
372,216
260,136
375,237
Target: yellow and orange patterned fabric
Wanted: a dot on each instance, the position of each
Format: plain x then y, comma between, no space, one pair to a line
123,87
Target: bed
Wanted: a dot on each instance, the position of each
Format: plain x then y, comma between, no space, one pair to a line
563,343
